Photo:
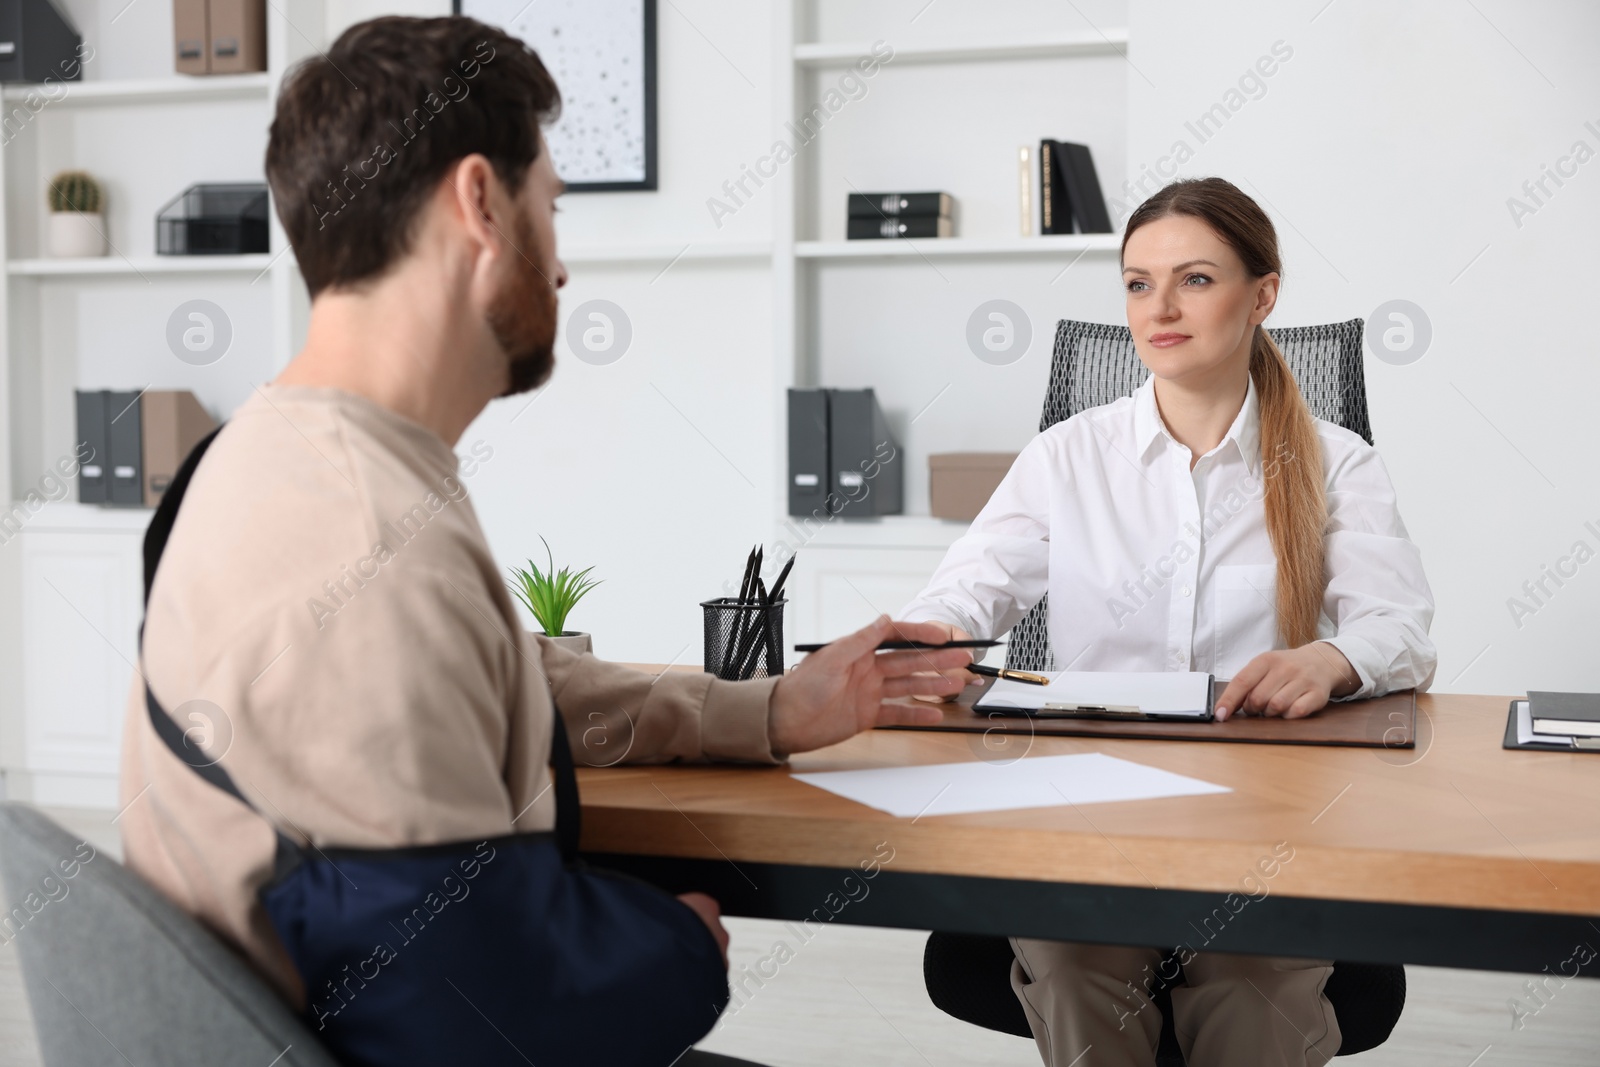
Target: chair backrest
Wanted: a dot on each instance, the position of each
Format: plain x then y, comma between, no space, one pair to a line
1095,363
116,974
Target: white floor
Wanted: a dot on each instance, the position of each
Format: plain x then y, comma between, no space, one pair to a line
854,995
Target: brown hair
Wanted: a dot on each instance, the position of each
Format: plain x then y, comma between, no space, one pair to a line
1291,457
365,132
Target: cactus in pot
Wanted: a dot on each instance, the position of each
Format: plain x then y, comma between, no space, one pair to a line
77,225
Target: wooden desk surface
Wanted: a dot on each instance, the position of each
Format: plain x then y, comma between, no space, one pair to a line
1456,822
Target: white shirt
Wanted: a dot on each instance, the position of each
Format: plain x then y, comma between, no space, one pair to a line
1151,566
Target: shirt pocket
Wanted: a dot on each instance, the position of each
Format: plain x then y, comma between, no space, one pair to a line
1244,615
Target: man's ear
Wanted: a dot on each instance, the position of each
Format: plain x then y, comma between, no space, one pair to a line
480,200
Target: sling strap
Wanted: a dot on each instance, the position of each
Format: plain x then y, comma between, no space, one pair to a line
288,853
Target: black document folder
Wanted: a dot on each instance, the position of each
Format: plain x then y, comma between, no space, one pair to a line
808,452
93,474
124,451
1538,744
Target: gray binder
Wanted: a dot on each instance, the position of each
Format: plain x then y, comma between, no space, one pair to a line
93,474
866,464
808,453
37,41
124,451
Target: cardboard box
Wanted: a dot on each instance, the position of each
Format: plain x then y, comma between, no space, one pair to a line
961,483
191,32
238,31
219,36
172,422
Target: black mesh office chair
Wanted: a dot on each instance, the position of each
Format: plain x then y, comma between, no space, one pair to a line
969,976
1094,364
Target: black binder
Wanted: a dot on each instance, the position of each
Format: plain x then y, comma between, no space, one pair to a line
808,452
124,451
843,460
1055,209
878,205
93,474
1585,744
1083,187
37,42
866,462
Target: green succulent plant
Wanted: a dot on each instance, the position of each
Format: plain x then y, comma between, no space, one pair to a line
548,595
75,190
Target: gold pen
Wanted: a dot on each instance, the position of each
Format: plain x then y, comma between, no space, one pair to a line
1015,676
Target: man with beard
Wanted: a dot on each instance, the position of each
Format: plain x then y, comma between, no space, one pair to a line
327,621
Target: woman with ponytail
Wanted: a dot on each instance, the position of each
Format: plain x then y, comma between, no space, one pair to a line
1206,523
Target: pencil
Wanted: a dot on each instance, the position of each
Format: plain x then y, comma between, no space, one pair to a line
901,646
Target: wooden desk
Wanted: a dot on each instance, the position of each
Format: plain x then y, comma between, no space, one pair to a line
1457,853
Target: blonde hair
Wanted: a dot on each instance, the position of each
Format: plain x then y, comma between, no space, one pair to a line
1295,504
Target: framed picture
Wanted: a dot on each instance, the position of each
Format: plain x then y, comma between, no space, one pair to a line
602,54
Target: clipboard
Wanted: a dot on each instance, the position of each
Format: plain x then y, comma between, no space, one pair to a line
1120,696
1538,744
1389,722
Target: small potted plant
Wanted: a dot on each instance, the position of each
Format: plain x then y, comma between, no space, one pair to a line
551,597
77,225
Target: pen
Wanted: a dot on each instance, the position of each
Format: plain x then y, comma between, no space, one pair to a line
1001,672
898,646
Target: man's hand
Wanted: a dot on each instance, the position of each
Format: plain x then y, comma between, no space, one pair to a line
1292,683
711,915
953,633
840,690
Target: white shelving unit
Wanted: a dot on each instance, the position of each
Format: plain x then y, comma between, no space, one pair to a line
946,111
666,254
255,264
70,574
127,92
1053,246
886,314
1112,42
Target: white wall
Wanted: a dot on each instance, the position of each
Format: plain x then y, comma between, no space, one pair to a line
1386,149
656,469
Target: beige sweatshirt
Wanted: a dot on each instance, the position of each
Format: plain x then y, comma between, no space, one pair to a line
328,623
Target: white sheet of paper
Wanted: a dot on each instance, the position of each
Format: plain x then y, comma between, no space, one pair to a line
1040,782
1525,732
1153,691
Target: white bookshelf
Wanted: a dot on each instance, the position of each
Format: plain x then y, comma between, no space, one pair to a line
1108,42
969,83
69,581
1053,246
146,133
947,112
126,92
706,251
255,265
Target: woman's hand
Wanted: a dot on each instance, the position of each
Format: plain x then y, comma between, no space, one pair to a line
960,674
1292,683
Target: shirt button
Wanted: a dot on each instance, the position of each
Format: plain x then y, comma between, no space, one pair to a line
1187,591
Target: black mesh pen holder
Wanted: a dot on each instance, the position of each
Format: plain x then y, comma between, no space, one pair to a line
743,640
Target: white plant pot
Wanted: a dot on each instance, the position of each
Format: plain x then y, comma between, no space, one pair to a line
73,234
571,640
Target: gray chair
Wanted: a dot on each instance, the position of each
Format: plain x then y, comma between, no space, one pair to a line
968,976
1095,364
116,974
